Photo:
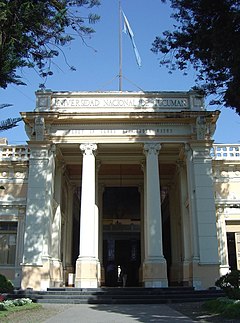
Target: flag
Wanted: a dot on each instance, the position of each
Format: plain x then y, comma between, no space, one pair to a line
128,29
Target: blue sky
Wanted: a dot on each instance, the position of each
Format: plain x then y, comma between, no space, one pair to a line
97,66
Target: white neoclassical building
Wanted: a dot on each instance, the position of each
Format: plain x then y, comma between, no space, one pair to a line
111,179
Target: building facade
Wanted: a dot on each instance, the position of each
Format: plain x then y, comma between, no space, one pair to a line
112,179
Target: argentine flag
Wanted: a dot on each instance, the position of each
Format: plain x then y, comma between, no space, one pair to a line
128,29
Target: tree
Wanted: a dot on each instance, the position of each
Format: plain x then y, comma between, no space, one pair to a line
32,34
10,122
207,36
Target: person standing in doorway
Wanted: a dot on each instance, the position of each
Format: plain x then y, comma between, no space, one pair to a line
124,275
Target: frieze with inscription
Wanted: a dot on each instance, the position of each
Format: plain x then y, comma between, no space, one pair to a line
134,131
120,102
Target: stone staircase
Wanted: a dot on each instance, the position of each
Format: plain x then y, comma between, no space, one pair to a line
122,295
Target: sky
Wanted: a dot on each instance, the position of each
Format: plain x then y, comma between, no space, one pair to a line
97,66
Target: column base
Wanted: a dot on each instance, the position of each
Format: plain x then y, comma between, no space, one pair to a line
187,273
69,269
155,273
37,276
204,275
41,276
224,269
88,273
31,276
176,274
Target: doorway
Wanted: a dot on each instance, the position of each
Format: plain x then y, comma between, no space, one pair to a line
121,235
121,253
231,244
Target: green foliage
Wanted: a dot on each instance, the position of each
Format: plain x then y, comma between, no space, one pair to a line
10,122
6,285
206,35
8,304
21,301
230,283
33,32
224,306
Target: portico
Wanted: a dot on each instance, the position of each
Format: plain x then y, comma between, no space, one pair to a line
120,177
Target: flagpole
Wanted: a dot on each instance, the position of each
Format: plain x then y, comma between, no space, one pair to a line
120,46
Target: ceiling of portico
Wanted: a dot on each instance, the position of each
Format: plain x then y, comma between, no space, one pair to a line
115,159
118,153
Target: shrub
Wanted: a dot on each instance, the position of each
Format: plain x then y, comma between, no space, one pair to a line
21,301
6,285
229,283
12,303
226,307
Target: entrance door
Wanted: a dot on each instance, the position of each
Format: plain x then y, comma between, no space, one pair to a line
118,255
121,235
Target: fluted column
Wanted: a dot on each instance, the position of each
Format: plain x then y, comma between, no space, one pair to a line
154,268
87,263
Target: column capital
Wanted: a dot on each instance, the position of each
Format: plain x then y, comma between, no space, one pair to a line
143,165
151,148
98,165
88,149
180,165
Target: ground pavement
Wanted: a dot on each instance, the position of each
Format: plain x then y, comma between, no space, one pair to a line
85,313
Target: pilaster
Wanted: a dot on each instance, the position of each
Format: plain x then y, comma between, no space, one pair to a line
175,244
186,232
101,189
222,241
204,220
57,225
39,215
68,232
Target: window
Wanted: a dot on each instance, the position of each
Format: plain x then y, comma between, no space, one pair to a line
8,238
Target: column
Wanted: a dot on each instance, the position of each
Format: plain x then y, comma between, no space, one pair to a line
87,264
154,267
36,265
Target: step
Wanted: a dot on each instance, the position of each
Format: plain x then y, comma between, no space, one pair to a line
121,295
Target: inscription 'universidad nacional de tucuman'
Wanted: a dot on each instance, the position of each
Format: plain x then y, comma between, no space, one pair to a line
120,102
